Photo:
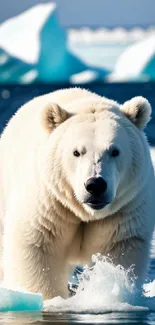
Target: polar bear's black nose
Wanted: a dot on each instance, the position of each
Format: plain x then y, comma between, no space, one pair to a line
96,185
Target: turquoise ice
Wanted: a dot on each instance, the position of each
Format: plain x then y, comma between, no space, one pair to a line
11,300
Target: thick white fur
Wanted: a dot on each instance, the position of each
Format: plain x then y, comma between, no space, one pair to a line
45,225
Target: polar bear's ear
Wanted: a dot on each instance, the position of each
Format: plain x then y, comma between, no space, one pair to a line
138,110
53,115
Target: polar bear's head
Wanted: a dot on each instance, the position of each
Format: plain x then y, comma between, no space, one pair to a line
96,154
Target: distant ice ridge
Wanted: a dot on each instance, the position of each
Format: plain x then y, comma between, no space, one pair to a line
105,288
104,35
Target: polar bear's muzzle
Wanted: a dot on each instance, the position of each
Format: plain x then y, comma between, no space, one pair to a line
96,204
96,187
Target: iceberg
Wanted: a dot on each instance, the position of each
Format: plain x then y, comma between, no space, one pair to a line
137,62
19,36
34,47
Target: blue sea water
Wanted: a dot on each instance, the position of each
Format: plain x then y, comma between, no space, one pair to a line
11,98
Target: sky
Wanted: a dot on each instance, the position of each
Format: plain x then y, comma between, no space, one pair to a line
94,13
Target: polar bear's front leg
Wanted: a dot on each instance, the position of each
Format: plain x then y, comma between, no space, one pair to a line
34,268
102,237
134,252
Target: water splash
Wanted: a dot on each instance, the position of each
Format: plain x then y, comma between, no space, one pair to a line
104,288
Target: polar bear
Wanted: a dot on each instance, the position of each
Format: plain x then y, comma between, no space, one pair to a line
76,178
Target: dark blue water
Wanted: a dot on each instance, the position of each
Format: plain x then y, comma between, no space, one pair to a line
11,98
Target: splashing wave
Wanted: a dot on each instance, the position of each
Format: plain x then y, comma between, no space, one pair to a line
104,288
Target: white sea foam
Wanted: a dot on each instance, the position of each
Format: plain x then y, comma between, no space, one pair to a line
105,287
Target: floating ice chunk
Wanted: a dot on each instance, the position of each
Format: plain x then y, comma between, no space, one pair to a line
150,289
11,300
84,77
29,76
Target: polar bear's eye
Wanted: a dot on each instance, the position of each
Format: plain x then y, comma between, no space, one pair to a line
76,153
114,152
